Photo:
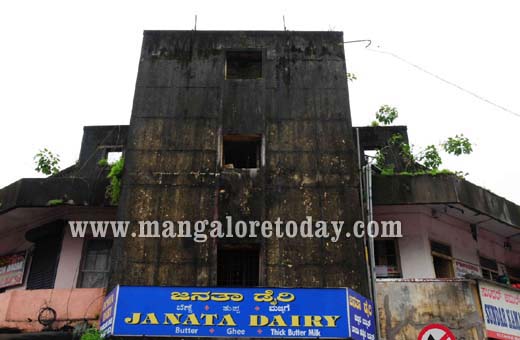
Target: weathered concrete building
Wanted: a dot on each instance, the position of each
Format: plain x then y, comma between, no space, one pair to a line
457,241
253,125
43,266
256,126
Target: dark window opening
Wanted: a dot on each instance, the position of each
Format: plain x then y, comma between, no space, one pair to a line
442,260
241,151
489,268
387,258
488,263
440,248
238,267
443,267
95,265
44,264
243,64
489,274
514,275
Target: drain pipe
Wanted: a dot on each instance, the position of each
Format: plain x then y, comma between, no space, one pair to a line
360,169
370,219
362,203
365,192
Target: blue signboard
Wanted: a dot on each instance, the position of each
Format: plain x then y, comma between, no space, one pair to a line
361,316
237,312
106,320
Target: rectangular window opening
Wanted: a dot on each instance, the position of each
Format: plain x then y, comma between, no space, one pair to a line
387,258
442,260
489,268
370,154
113,153
242,151
238,266
440,248
114,156
514,274
443,267
95,265
243,64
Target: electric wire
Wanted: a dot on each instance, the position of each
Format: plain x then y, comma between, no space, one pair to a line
422,69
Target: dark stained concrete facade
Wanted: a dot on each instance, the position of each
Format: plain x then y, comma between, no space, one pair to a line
183,106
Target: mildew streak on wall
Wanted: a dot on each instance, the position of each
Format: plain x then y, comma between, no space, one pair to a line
183,105
407,307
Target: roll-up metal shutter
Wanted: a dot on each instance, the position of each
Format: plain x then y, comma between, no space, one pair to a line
45,257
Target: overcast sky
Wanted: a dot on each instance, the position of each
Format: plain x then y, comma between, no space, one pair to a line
66,64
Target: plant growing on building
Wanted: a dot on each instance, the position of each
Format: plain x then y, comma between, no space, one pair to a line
115,173
47,162
386,115
55,202
430,158
351,76
424,161
92,334
103,162
457,145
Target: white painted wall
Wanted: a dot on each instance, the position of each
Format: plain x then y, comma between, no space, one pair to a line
419,227
70,261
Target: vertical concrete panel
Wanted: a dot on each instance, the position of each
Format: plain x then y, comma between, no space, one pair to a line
70,261
183,104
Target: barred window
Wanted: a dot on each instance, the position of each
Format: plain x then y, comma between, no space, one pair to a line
238,266
95,265
489,268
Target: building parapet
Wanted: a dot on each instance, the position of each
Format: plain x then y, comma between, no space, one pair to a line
444,189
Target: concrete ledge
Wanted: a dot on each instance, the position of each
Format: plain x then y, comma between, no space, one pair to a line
439,189
37,192
375,137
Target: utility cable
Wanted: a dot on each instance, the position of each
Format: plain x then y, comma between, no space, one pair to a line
422,69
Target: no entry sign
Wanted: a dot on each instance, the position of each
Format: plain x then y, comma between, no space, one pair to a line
436,331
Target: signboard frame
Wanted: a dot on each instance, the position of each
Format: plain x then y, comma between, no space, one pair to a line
19,272
463,268
265,312
499,303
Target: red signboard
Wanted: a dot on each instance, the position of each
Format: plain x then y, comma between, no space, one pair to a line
11,269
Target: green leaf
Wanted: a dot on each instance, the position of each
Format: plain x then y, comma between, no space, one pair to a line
458,145
113,190
386,114
47,162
